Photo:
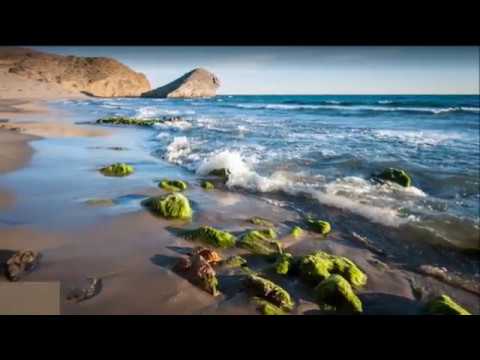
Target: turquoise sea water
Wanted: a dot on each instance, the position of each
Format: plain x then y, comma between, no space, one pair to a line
307,152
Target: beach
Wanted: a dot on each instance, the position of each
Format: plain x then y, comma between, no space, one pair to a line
51,153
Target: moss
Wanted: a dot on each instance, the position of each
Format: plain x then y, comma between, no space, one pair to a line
120,120
318,266
297,231
261,222
221,173
118,169
171,206
100,202
320,226
266,307
173,185
336,291
444,305
234,262
261,242
397,176
207,185
212,237
269,291
283,263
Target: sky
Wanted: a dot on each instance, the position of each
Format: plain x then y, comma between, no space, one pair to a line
306,70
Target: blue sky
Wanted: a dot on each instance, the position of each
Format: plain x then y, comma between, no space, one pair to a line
307,70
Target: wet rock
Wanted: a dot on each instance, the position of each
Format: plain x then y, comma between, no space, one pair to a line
260,242
266,307
451,279
121,120
336,291
210,255
444,305
283,263
207,185
221,173
234,262
173,185
171,206
118,169
212,236
199,272
261,222
319,266
395,175
319,226
269,291
21,263
297,231
94,287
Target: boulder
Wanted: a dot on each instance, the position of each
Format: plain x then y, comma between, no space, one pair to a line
21,263
337,292
171,206
395,175
260,242
196,83
118,169
212,236
210,255
200,272
444,305
269,291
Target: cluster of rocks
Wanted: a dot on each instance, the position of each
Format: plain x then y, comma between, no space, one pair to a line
124,120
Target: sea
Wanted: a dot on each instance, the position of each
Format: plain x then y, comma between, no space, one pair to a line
317,154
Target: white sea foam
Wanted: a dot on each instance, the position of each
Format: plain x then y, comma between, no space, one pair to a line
148,112
178,149
417,137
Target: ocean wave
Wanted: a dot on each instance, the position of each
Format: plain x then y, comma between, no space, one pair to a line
431,110
178,149
149,112
177,124
380,203
416,137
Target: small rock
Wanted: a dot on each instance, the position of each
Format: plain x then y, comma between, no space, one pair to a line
269,291
199,272
171,206
21,263
173,185
261,242
212,236
207,185
444,305
336,291
320,226
118,169
210,255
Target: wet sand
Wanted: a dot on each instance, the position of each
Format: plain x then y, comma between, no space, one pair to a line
134,252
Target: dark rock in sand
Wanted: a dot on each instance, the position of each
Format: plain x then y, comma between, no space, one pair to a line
121,120
199,272
21,263
94,287
210,255
196,83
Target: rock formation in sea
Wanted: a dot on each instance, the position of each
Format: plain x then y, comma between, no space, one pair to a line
97,76
196,83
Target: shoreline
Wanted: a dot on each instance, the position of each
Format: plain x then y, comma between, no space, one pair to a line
134,252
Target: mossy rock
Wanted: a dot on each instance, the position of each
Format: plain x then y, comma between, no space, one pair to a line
296,232
261,222
212,236
397,176
221,173
118,169
207,185
336,291
260,242
320,226
319,266
269,291
173,185
266,307
444,305
234,262
283,263
121,120
171,206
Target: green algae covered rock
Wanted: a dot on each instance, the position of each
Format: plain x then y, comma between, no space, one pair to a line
207,185
212,236
221,173
171,206
234,262
118,169
444,305
261,222
397,176
269,291
320,226
297,231
319,266
261,242
121,120
336,291
173,185
266,307
283,263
